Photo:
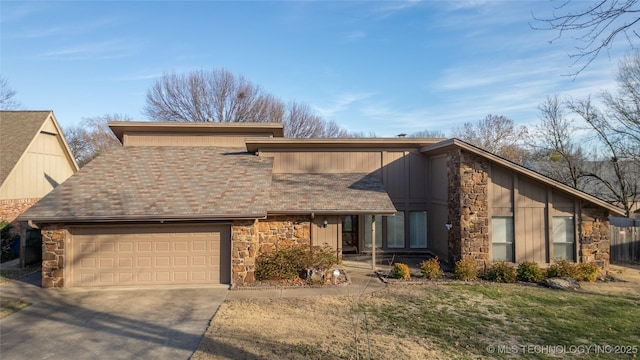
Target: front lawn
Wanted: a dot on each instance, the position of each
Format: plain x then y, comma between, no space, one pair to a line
438,320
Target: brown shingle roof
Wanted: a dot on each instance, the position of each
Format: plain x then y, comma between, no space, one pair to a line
329,193
17,130
164,183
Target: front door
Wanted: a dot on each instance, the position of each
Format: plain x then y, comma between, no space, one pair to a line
350,234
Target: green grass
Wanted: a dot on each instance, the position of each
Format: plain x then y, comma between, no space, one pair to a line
464,319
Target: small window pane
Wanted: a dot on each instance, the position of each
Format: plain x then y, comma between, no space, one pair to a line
418,229
395,231
563,238
502,252
367,231
502,238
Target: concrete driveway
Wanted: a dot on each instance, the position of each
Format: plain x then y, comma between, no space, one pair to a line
115,324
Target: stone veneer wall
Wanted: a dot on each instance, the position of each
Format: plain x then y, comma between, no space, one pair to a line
53,255
595,242
468,207
252,238
11,209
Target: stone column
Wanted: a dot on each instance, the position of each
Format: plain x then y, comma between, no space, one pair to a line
594,242
468,207
53,255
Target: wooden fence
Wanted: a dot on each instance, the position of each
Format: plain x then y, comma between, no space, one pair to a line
625,239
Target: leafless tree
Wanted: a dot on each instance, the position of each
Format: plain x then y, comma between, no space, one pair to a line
92,137
7,101
622,115
615,176
221,96
497,134
427,134
555,142
595,26
301,122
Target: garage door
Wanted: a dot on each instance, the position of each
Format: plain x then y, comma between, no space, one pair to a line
149,255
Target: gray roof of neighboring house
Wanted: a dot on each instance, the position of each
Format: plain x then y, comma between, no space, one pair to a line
17,130
588,184
161,183
329,193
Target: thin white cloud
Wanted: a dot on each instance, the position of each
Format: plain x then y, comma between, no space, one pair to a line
20,10
108,49
341,103
354,36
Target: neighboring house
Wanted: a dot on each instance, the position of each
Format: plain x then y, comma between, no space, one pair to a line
34,159
197,203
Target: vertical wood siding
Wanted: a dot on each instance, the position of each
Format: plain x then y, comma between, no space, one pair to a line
533,206
42,167
150,139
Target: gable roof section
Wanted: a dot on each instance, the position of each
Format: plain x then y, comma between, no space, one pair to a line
18,129
457,143
161,183
329,194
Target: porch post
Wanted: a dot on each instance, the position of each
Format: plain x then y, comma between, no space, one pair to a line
373,242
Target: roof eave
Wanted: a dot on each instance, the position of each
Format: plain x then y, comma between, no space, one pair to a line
154,218
258,144
119,128
332,212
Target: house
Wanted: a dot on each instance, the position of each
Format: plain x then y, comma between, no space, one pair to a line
198,203
34,159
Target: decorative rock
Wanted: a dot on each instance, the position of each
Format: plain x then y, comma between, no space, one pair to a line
562,283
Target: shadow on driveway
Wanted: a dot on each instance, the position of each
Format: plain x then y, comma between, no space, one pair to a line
114,324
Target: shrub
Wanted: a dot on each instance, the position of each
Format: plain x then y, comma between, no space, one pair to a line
466,270
562,268
529,271
588,272
400,271
431,268
289,263
501,272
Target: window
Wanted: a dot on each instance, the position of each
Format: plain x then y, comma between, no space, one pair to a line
502,238
418,229
563,238
395,231
367,231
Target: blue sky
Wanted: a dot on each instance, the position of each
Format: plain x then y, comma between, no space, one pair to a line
371,66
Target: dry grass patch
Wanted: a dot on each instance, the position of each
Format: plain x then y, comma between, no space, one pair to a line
10,305
421,321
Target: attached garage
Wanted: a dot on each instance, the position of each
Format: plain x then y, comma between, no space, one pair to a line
141,255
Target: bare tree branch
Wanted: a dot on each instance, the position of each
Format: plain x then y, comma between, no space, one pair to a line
7,101
497,134
596,27
220,96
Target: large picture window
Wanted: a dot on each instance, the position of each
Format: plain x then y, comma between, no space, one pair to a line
417,229
367,231
563,238
502,238
395,231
